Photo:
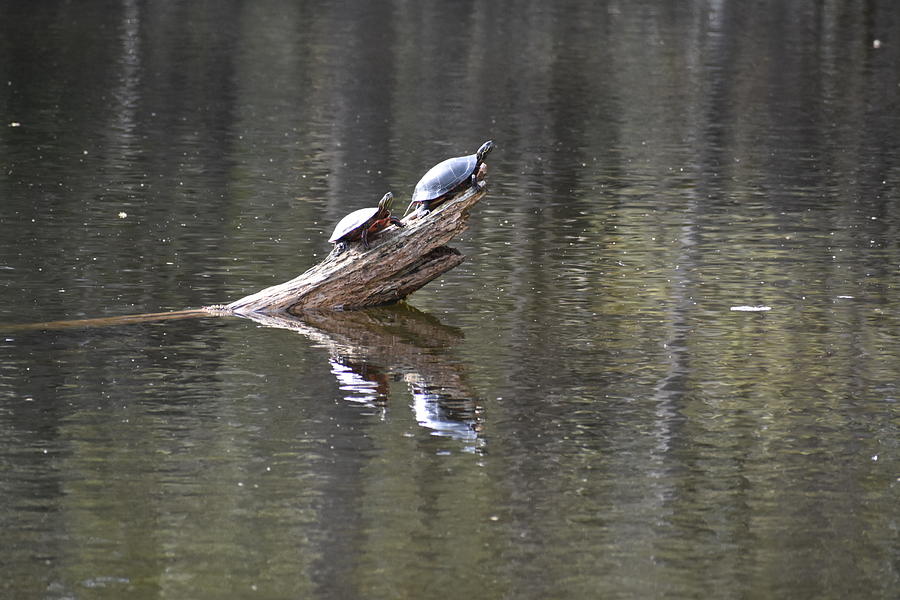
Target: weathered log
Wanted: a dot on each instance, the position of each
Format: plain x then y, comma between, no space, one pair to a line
398,262
110,321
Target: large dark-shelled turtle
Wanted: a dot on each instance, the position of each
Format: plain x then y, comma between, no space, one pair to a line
447,177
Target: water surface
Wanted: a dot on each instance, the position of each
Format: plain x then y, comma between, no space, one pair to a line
575,412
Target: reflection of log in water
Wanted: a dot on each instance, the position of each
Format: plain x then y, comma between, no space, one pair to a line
368,347
367,383
367,350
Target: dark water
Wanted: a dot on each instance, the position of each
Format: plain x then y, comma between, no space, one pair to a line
668,368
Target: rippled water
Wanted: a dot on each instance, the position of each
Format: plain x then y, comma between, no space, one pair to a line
667,368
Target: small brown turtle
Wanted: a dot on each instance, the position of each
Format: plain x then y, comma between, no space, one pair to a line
362,223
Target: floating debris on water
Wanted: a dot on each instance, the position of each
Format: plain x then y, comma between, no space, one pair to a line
123,214
750,308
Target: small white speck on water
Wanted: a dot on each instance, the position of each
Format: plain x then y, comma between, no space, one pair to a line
742,308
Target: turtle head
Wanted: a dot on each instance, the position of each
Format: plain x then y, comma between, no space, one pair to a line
385,202
484,150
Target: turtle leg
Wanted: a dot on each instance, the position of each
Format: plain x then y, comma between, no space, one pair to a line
339,248
365,238
478,176
396,221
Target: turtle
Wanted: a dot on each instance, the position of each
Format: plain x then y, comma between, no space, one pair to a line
449,176
362,223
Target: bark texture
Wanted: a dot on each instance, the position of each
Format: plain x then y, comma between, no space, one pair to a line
398,262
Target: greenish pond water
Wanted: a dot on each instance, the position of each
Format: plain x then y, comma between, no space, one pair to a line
668,367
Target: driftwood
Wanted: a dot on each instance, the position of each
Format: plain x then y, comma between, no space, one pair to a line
399,262
110,321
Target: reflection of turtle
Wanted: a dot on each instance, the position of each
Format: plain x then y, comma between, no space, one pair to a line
449,176
362,223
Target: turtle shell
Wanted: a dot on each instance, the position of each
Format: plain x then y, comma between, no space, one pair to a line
355,222
443,177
